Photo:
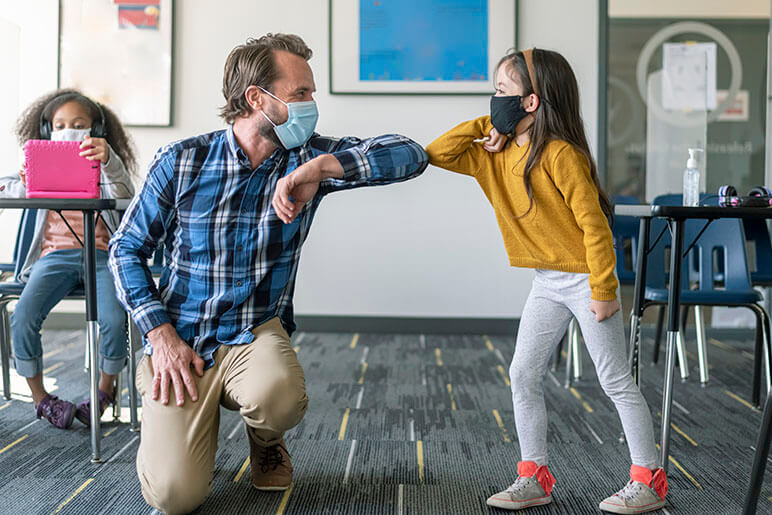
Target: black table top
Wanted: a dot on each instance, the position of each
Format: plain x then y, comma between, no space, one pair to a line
81,204
684,212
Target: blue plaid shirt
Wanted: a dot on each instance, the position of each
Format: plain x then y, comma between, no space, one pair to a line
230,262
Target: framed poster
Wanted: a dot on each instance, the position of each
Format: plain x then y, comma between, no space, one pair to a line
119,52
427,47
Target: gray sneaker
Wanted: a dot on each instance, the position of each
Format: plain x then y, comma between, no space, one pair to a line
635,497
524,493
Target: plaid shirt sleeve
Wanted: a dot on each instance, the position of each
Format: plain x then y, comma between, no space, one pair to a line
144,225
381,160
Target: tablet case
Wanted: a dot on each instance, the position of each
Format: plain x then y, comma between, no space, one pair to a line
55,170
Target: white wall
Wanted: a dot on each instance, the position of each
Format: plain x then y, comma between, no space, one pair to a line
429,247
689,9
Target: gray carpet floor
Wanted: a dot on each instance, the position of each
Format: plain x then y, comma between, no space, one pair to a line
401,424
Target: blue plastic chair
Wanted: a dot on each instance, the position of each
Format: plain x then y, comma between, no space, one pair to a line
11,290
725,237
624,230
756,231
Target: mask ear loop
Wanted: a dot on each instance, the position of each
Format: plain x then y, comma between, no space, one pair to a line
277,98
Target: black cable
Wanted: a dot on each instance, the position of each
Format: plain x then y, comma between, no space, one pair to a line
59,212
702,202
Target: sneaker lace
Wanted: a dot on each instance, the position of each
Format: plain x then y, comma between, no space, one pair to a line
53,409
520,483
271,458
630,490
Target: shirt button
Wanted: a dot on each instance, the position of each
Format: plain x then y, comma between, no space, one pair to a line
240,247
238,283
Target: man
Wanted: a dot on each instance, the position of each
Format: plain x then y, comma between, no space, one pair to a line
233,209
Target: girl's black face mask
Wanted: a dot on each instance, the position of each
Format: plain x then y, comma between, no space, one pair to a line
506,113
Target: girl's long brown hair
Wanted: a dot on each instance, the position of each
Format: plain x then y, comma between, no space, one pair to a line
28,124
558,116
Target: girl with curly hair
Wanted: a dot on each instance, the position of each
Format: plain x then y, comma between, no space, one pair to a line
54,265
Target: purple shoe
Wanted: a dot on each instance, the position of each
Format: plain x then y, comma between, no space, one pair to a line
83,412
56,411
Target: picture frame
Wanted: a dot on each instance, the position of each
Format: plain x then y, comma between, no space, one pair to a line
402,47
134,39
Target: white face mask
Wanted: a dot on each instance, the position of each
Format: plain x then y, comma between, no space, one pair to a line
70,134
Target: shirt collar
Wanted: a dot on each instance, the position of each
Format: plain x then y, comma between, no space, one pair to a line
234,148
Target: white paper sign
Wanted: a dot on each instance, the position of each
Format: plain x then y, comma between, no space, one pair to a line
689,78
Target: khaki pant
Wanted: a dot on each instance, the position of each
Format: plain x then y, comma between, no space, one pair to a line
263,380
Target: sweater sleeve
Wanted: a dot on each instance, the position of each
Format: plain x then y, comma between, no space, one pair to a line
456,150
571,174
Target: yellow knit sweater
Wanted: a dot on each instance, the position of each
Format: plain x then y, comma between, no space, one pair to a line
565,230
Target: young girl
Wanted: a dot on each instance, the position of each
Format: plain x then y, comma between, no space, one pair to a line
54,265
535,167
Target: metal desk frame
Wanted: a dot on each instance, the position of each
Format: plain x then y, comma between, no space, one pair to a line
676,217
90,208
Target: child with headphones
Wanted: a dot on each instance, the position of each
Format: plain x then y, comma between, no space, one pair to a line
54,265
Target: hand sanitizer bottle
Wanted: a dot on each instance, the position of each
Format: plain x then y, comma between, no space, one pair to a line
692,180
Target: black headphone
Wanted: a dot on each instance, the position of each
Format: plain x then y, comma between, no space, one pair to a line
98,127
760,196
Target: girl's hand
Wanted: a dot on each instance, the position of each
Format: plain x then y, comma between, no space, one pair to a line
95,148
23,174
495,142
604,309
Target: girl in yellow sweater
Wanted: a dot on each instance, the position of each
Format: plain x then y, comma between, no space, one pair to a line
536,169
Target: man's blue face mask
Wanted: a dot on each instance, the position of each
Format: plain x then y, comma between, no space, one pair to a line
300,124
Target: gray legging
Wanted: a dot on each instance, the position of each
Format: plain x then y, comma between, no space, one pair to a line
556,297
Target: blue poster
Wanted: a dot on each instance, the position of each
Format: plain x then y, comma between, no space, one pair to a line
423,40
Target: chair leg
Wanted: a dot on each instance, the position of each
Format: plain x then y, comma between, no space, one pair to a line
658,334
702,348
762,355
5,350
766,352
86,358
569,357
759,459
558,351
117,397
683,365
573,334
132,380
757,353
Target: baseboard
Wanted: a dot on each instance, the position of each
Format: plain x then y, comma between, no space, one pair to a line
405,325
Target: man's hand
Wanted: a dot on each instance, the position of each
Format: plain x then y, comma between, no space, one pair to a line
95,148
604,309
302,184
23,174
496,142
171,361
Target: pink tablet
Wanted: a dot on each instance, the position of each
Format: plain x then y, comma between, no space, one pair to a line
55,170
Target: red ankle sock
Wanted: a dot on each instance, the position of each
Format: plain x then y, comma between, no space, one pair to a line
543,476
656,479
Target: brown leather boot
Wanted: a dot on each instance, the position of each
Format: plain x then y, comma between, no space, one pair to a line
271,467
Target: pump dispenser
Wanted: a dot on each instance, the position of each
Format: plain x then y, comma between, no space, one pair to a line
692,179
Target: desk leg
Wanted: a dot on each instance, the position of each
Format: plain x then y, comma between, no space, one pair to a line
759,460
89,253
638,298
674,298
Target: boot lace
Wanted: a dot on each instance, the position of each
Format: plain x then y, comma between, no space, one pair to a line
270,458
